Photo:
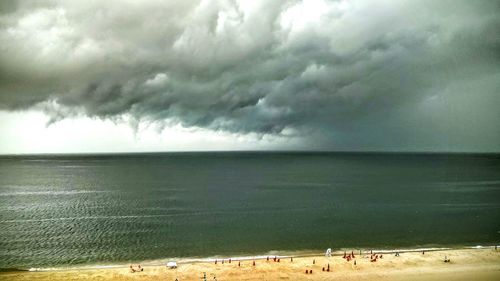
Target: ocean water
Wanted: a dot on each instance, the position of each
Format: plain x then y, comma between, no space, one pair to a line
93,209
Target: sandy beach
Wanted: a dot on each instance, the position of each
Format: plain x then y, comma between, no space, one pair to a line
465,264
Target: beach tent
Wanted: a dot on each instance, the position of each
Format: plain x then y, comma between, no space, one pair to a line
172,264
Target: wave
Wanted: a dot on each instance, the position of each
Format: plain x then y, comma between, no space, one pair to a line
86,218
155,216
11,269
51,192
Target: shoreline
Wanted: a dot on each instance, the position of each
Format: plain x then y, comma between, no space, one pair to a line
466,264
211,259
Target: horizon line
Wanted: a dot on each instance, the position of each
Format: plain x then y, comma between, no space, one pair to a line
249,151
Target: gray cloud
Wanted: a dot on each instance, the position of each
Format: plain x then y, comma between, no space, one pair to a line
343,74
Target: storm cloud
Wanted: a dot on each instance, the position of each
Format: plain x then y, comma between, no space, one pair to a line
368,75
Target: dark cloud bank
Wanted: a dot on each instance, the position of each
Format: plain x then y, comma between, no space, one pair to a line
355,75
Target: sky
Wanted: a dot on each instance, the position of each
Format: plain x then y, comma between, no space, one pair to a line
131,76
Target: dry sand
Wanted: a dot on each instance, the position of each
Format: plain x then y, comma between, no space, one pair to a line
466,264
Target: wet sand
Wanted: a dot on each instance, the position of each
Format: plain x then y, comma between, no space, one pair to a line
466,264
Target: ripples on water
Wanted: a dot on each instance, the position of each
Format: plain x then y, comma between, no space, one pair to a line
92,209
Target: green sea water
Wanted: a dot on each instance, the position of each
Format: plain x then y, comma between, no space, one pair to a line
89,209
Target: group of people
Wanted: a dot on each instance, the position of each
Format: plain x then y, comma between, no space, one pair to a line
375,257
136,268
204,277
239,262
349,257
229,260
276,259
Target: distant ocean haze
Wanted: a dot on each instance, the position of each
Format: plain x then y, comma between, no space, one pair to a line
87,209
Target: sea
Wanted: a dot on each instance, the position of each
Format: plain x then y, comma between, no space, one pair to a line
78,210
